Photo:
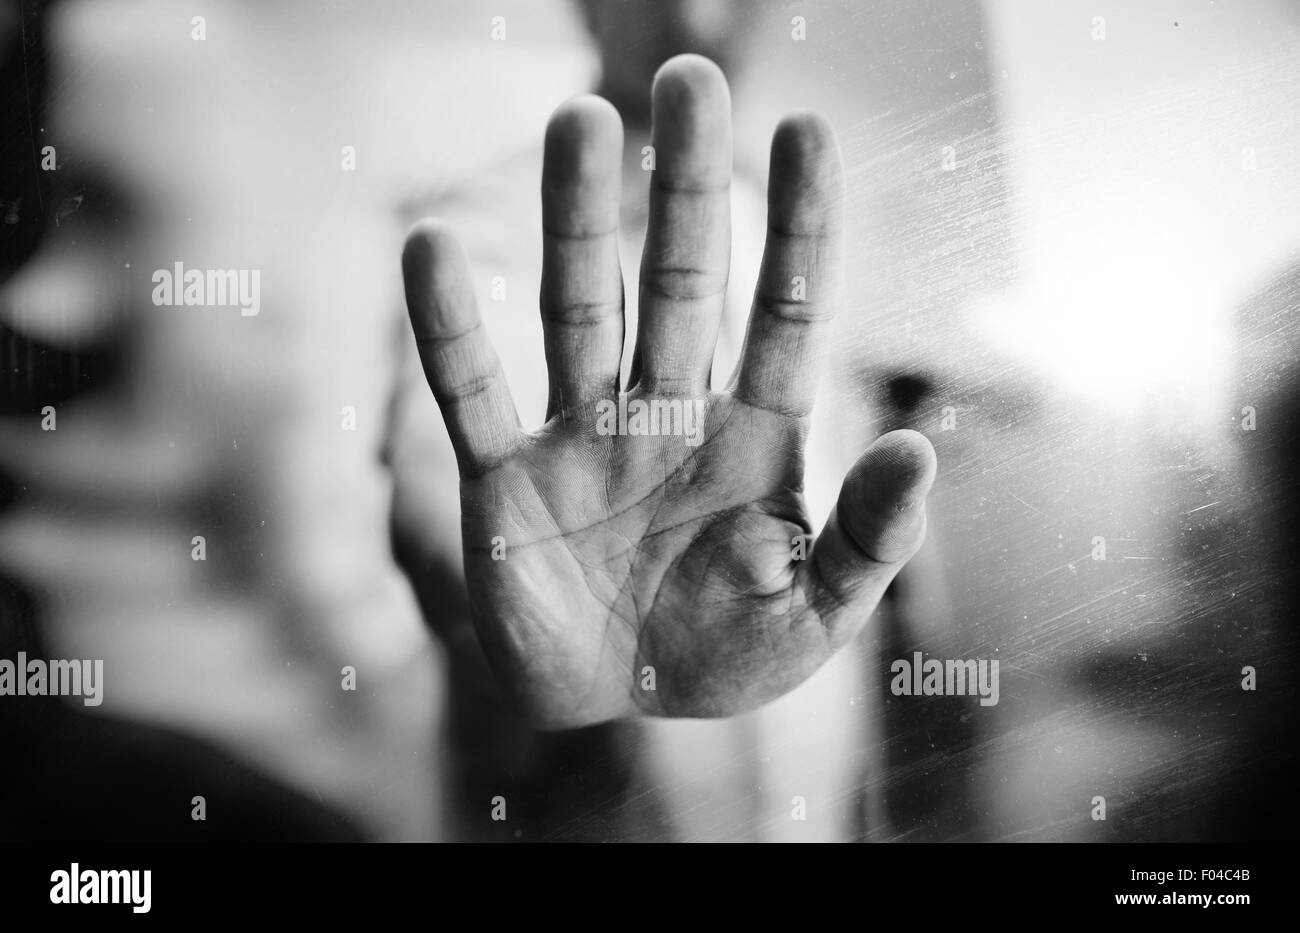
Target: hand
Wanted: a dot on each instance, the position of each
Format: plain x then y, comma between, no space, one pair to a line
666,573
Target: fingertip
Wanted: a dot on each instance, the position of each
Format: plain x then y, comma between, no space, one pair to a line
586,124
911,450
690,77
435,274
582,168
427,242
882,504
806,172
691,116
806,137
904,464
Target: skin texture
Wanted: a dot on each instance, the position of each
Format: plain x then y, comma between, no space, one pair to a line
599,566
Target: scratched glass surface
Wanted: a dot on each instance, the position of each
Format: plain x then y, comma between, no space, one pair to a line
1073,263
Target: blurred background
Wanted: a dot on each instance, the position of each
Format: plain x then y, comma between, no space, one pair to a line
1073,263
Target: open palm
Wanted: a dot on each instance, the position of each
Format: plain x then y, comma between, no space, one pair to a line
651,553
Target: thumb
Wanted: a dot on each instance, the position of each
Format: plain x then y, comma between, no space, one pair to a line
877,524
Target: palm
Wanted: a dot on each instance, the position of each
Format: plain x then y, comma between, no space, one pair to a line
650,576
615,574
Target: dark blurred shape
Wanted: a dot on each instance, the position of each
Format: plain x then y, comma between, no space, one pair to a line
906,391
24,188
1268,380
